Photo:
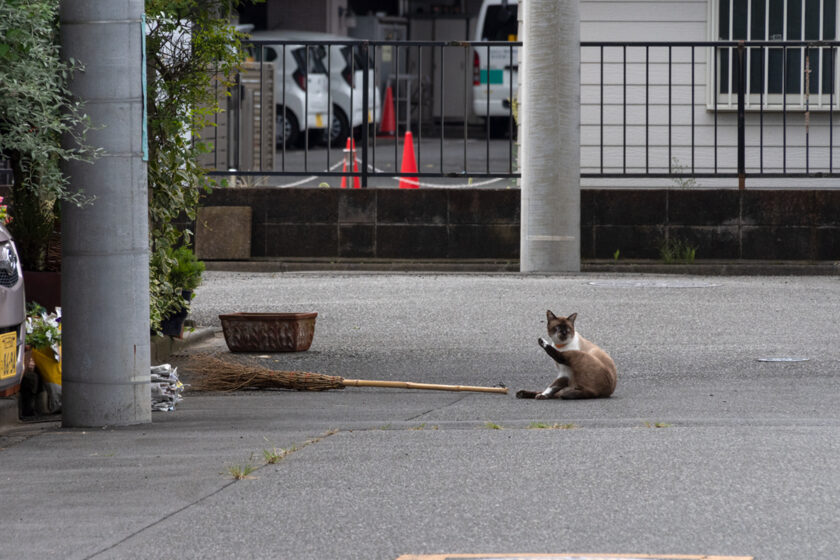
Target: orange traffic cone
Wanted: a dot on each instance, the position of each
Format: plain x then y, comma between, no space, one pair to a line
356,183
388,125
344,167
409,164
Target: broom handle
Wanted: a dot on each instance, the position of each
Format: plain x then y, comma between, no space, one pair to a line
427,386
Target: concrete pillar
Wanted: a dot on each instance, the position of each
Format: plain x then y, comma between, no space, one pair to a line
105,256
550,136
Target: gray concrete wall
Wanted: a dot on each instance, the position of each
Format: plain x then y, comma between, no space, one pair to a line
462,224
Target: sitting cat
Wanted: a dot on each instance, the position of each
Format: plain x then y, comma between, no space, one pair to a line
585,370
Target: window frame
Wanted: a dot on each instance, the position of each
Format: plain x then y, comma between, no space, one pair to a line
755,101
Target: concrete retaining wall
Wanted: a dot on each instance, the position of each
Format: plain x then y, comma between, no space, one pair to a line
484,224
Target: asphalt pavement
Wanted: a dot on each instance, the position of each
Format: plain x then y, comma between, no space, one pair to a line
722,438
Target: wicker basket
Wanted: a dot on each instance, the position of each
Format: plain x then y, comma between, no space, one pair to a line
268,332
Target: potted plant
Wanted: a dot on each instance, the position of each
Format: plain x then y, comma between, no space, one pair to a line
181,90
184,276
43,336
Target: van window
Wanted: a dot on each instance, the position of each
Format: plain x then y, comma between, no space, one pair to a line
345,53
316,58
270,54
258,51
360,60
500,23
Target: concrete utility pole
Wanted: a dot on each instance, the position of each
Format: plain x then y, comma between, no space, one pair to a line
550,136
105,258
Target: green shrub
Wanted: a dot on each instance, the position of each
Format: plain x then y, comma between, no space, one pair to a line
181,81
37,109
187,271
677,251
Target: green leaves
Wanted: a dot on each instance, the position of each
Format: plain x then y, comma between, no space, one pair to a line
36,111
188,42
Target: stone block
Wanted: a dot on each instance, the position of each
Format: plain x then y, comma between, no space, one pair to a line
776,243
301,240
302,206
704,208
223,233
828,243
587,242
411,206
778,208
358,240
827,208
411,242
587,207
621,208
633,242
357,206
483,242
711,242
484,206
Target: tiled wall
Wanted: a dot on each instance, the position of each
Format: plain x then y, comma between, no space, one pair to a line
722,224
378,223
479,223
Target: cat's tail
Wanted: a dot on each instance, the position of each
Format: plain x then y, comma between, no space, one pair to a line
523,394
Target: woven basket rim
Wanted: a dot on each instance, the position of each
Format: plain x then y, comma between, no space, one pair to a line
267,316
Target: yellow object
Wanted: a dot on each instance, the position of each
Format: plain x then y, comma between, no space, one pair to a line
8,354
46,364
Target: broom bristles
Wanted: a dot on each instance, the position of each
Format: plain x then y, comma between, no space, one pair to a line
214,374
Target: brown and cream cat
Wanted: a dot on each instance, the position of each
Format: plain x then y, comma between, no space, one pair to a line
585,370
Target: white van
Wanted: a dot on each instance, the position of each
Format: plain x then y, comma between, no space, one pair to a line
494,76
301,90
346,71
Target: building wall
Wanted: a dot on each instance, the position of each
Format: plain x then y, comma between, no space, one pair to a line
659,138
327,16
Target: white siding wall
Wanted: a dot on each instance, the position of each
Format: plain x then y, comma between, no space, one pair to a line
627,110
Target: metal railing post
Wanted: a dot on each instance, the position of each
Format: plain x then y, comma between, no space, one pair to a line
742,83
365,110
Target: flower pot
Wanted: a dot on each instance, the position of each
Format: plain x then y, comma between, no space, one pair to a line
173,325
268,332
50,370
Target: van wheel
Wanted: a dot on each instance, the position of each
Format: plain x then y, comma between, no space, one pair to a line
339,127
286,130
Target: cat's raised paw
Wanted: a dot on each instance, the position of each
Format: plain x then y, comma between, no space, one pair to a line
543,342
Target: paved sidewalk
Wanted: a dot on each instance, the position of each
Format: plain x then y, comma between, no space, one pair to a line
703,449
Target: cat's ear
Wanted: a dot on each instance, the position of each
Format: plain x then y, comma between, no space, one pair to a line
572,318
549,315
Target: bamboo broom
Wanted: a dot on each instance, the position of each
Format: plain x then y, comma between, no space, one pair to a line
426,386
222,375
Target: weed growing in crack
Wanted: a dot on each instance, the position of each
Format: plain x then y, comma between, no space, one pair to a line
555,426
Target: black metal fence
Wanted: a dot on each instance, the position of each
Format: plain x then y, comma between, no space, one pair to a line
412,81
678,110
744,109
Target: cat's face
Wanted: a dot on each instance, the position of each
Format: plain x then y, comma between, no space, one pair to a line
561,329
